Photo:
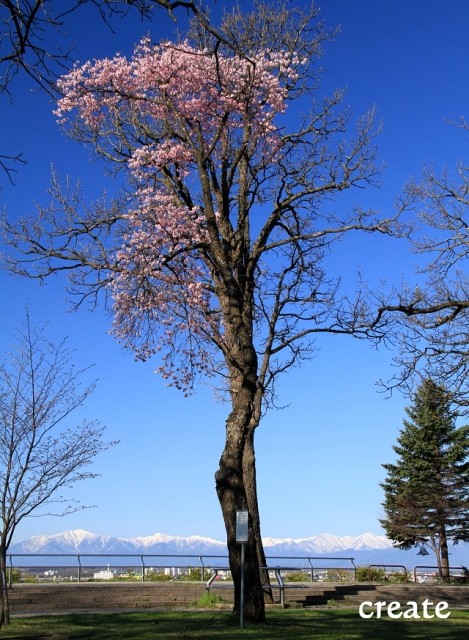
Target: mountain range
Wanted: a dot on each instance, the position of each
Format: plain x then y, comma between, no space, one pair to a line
366,548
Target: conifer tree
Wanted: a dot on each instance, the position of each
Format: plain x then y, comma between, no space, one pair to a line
427,488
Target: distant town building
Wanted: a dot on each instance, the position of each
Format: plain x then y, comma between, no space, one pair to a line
103,575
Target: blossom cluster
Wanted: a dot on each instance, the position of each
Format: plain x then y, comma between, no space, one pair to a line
177,83
163,110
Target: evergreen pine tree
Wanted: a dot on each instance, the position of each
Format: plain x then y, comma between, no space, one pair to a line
427,489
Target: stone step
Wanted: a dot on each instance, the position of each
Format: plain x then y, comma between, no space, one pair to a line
355,594
87,596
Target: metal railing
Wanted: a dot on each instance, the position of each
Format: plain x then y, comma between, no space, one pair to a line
462,572
80,562
315,564
82,565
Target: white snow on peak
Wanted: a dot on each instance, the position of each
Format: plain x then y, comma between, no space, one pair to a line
78,540
76,535
328,543
179,541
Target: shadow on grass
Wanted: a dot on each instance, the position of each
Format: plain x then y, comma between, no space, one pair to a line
282,625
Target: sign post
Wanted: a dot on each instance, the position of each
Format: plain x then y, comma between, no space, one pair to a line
242,531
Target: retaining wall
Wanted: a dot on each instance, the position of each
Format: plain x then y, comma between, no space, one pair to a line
43,598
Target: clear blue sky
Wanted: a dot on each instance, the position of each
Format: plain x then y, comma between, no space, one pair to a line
319,460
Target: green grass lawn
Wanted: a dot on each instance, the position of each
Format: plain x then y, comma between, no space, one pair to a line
296,624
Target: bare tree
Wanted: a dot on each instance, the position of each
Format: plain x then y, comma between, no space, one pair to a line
40,388
428,321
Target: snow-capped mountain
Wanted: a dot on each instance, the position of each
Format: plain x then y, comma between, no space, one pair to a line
327,543
79,541
366,548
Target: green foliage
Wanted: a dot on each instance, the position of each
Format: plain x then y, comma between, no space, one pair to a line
427,489
29,578
396,577
339,575
16,576
298,576
333,602
157,576
462,579
130,576
209,599
370,574
378,574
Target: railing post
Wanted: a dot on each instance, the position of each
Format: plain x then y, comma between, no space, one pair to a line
278,575
201,558
143,568
79,567
210,580
312,569
354,569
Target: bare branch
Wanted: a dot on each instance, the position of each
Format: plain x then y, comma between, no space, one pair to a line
40,389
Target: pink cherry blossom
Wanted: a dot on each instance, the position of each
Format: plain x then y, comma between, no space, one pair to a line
168,114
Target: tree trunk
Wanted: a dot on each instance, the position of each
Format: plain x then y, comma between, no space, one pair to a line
5,607
250,484
444,557
233,496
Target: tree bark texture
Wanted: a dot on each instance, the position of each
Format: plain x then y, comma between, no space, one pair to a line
444,557
5,607
250,484
235,494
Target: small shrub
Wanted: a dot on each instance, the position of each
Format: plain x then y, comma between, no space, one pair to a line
397,577
464,579
15,575
209,599
339,575
20,576
370,574
343,602
297,576
157,576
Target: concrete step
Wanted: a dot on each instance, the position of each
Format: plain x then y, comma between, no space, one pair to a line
86,596
357,593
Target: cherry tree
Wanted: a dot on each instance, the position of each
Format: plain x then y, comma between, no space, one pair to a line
35,42
214,254
33,34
